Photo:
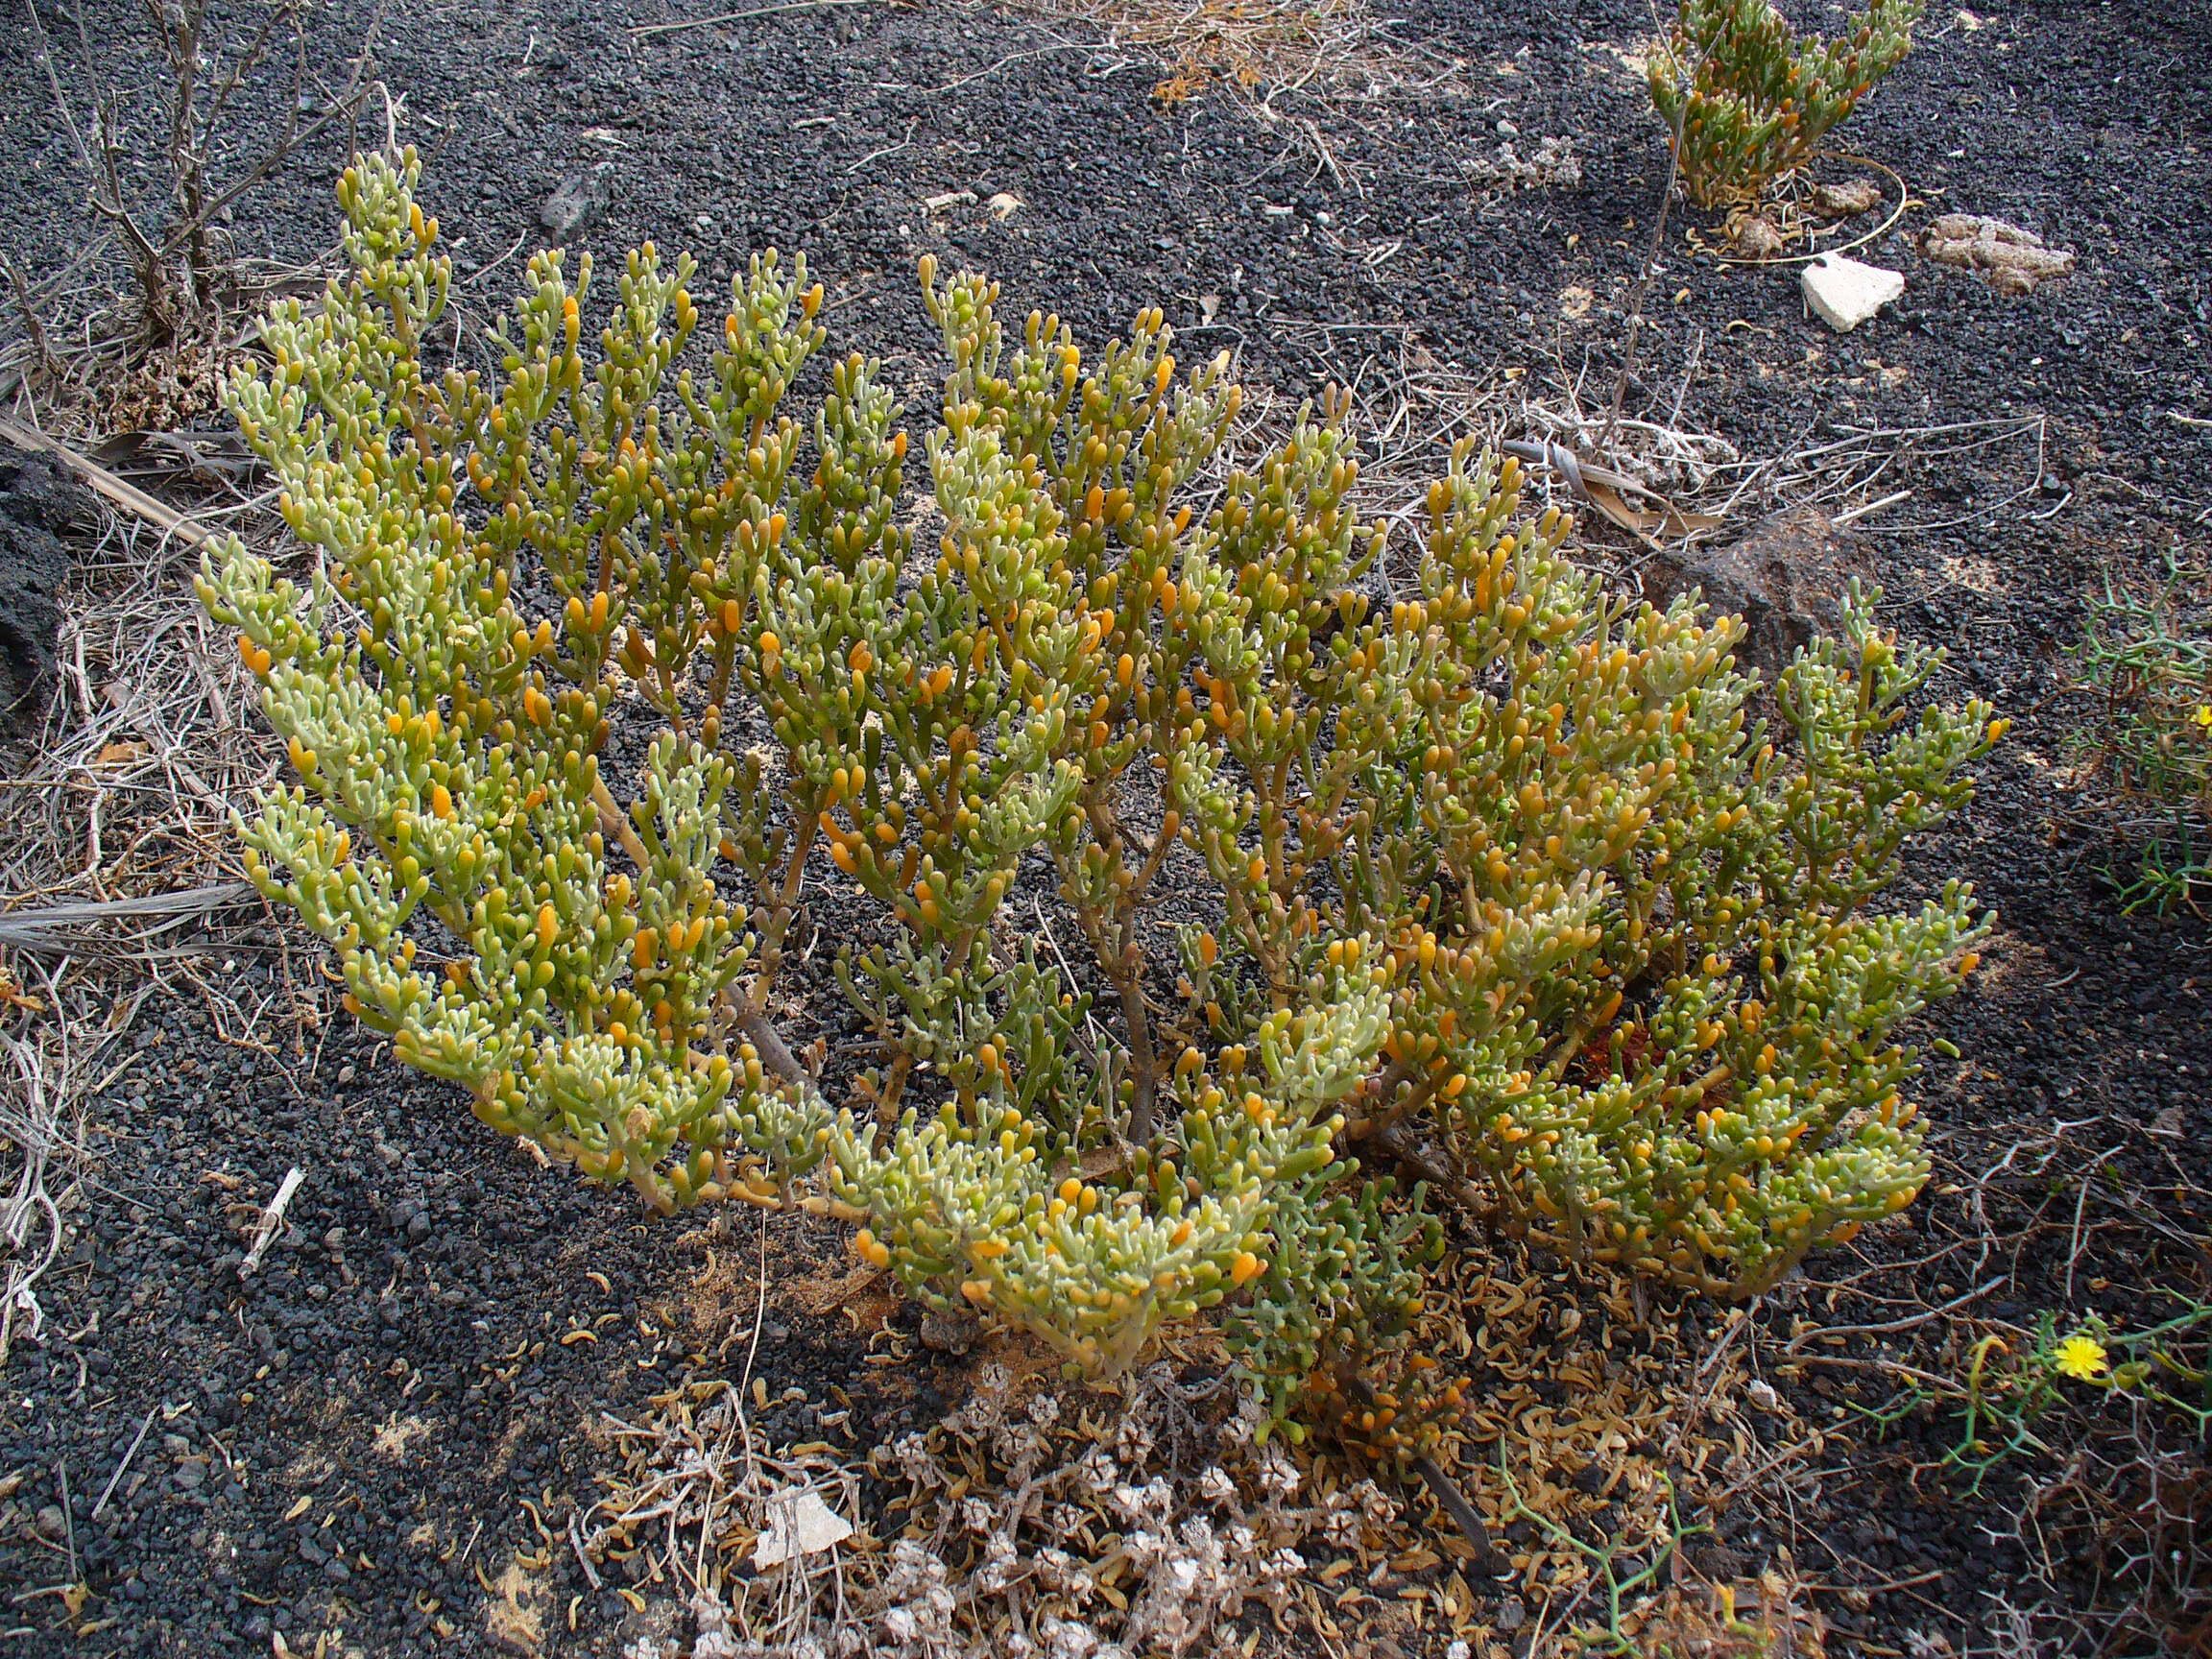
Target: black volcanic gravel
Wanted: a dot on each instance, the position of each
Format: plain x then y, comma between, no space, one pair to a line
396,1367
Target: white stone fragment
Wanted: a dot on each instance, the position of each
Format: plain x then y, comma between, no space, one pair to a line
1846,293
798,1523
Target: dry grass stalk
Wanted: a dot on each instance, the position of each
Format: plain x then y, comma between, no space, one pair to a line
146,744
43,1149
116,850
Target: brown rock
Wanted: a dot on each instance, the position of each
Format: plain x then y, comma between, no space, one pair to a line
1786,579
1848,199
952,1330
2012,259
1756,237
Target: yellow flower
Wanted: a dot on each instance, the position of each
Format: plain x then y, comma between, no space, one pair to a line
2082,1357
2205,713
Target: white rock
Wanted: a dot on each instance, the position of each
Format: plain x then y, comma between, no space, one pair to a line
1846,293
798,1523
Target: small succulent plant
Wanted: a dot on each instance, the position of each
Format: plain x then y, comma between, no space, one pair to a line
2145,659
1751,102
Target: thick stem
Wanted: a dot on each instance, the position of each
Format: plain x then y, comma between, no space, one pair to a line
1441,1178
1125,969
186,149
1247,922
1572,1042
1155,856
647,1182
675,704
403,330
1470,1521
1144,1064
612,823
603,563
1396,1108
768,1042
780,916
1446,1490
152,285
1712,1080
725,660
1124,962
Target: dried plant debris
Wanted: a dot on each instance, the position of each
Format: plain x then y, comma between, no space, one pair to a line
1770,1617
143,743
1049,1521
1040,1524
1250,47
1552,165
174,385
1789,217
756,1543
2013,260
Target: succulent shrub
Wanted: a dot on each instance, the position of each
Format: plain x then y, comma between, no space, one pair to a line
1208,878
1751,101
2146,658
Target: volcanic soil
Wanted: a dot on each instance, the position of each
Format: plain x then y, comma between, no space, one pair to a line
364,1433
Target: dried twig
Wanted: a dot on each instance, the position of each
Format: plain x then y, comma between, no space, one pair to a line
123,1467
29,1221
272,1219
192,295
1866,509
643,30
1336,56
48,364
63,928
